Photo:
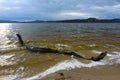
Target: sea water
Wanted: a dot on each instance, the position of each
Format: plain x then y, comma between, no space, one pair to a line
87,39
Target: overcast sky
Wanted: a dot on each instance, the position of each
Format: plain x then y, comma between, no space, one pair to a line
58,9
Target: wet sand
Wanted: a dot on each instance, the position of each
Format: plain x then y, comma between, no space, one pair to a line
96,73
82,46
24,64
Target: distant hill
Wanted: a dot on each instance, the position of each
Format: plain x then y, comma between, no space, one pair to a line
24,21
7,21
89,20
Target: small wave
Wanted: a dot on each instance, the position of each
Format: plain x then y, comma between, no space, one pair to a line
63,46
96,52
65,65
7,46
14,77
91,45
112,58
7,37
74,63
3,78
4,59
7,43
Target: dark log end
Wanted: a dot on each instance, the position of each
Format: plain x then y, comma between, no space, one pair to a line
99,57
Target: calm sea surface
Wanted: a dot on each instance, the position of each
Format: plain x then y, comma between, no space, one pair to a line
86,39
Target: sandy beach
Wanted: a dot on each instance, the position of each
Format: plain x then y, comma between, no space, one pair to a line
98,73
16,63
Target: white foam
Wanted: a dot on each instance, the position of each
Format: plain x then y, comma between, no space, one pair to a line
96,51
62,46
13,77
92,45
113,58
17,76
66,65
74,63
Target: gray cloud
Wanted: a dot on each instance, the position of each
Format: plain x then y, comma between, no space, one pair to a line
58,9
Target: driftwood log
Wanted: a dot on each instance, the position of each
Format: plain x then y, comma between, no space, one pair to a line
48,50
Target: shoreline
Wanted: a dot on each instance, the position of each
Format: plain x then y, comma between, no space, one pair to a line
96,73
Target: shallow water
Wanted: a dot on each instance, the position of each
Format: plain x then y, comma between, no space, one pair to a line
87,39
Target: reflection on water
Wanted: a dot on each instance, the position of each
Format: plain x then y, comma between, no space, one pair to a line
82,38
4,60
6,37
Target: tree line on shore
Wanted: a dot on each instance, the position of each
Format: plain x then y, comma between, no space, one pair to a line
89,20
